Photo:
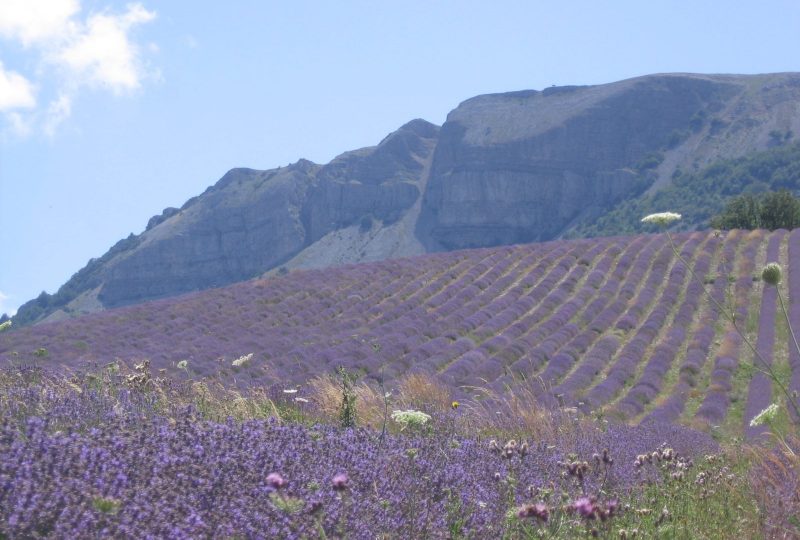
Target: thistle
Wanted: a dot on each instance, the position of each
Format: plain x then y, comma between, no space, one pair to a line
340,482
276,481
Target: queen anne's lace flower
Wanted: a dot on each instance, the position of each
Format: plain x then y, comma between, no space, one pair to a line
662,218
766,415
410,418
242,360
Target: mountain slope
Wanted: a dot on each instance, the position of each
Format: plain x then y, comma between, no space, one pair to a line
504,168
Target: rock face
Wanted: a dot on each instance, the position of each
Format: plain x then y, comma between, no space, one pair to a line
504,168
379,183
251,221
523,166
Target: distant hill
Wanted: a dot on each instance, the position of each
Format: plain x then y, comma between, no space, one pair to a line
504,168
614,326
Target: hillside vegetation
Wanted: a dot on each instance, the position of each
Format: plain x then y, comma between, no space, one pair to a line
699,196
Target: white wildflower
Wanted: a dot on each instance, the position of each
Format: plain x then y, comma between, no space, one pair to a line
182,364
242,360
767,415
662,218
290,391
301,400
410,418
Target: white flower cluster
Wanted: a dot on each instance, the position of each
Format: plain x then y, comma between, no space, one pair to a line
242,360
662,218
410,418
767,415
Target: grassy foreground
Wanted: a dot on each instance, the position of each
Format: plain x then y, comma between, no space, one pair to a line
124,454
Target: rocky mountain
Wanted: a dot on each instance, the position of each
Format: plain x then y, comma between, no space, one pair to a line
504,168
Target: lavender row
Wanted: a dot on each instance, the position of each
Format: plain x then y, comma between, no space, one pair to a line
717,400
794,309
602,352
649,385
699,346
624,367
759,394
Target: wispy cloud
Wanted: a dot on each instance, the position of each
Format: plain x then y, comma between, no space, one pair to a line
16,92
73,51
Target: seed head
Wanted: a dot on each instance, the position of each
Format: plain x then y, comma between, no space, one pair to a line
538,511
771,274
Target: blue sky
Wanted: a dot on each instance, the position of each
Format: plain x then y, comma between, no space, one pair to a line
111,111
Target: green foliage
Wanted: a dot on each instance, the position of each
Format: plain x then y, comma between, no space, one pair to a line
106,505
780,210
774,210
347,415
701,195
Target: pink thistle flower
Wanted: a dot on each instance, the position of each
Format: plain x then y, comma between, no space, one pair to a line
340,482
276,481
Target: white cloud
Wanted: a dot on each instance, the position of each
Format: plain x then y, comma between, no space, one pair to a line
58,111
16,92
21,126
73,51
36,21
101,53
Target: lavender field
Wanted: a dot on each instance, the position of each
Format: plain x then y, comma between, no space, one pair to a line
575,388
613,325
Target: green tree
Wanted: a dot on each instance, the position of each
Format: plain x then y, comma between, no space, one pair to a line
742,212
780,210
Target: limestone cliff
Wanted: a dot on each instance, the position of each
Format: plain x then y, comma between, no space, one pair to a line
527,166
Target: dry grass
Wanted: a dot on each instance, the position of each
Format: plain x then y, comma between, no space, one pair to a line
775,481
519,414
515,414
412,392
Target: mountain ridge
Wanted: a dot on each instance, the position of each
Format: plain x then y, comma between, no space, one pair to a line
504,168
